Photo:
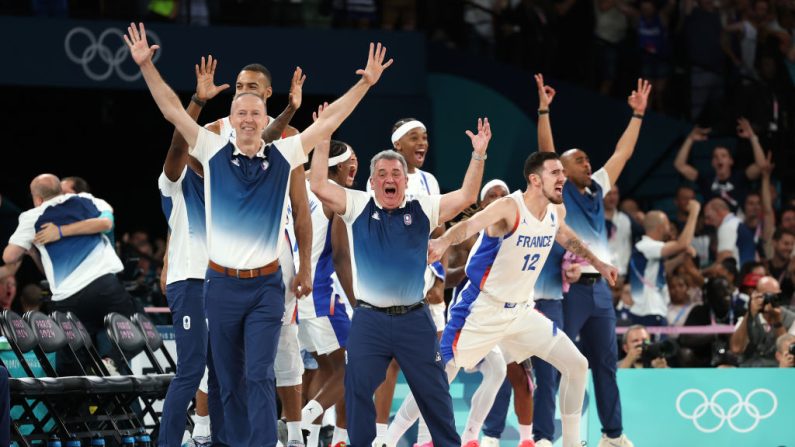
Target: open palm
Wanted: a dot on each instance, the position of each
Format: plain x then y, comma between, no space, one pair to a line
205,83
140,50
296,88
375,64
480,141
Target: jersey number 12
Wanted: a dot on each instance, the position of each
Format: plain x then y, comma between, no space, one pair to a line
530,261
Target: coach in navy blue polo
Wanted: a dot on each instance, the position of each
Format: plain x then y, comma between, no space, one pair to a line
588,311
245,184
388,233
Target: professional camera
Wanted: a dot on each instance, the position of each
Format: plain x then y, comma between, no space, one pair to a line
774,299
792,348
661,349
724,357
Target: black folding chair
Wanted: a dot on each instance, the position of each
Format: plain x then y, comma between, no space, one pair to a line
154,344
102,404
129,342
30,392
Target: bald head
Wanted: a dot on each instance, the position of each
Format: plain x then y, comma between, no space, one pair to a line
653,220
45,187
577,166
768,284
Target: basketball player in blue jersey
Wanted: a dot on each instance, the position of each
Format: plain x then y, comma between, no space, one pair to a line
245,191
323,320
496,308
388,233
587,310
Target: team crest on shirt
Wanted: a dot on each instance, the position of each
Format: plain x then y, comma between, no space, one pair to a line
265,165
375,216
235,161
407,219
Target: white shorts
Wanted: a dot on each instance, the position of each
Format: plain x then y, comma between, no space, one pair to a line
478,323
289,365
324,335
288,273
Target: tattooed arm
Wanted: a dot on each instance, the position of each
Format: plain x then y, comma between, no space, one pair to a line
569,240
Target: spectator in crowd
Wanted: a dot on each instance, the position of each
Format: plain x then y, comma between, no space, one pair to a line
681,303
30,299
684,194
756,332
610,29
785,351
399,14
654,46
787,220
726,181
734,239
702,30
647,267
619,232
781,264
633,344
8,290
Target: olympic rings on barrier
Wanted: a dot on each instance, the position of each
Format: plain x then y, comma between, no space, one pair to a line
723,415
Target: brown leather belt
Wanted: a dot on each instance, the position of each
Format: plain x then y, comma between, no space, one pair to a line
246,274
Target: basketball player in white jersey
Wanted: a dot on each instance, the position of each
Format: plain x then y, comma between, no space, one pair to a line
496,308
323,322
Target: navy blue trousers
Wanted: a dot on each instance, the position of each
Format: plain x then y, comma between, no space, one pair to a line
245,316
375,338
186,301
588,312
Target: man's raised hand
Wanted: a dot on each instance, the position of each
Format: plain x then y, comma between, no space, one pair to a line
140,50
545,93
639,98
375,64
205,84
296,88
480,141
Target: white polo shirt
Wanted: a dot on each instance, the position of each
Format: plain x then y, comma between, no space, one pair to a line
647,279
73,262
183,206
245,198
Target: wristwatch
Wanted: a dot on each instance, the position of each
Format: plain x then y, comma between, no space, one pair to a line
477,157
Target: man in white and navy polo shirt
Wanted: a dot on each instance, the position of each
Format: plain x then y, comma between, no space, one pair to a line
78,260
388,233
647,275
245,184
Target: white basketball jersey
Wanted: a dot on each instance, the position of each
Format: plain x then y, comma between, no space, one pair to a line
319,301
506,268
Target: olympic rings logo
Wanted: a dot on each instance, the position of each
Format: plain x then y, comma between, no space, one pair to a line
722,415
108,54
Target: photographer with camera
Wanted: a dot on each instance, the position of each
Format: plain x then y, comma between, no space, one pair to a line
785,351
642,353
755,334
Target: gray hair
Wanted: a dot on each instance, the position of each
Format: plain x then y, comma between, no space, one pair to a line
633,328
783,342
389,154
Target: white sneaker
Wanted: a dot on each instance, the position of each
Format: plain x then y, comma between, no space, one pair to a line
488,441
543,443
621,441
